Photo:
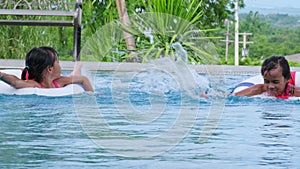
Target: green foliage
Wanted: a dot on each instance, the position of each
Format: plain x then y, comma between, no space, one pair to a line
167,35
187,10
200,15
159,35
294,64
269,38
248,61
97,13
274,41
170,25
17,40
280,20
215,12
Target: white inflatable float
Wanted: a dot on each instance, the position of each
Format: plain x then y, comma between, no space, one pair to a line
258,79
63,91
248,83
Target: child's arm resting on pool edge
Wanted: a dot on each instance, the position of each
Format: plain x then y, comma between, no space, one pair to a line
251,91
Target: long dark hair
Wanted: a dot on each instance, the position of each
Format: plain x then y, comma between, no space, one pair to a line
273,63
37,60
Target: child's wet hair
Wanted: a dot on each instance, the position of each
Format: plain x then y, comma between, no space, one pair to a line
37,60
275,62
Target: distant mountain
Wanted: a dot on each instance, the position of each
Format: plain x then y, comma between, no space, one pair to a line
284,10
290,7
276,20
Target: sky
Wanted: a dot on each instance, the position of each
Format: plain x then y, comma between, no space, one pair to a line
272,6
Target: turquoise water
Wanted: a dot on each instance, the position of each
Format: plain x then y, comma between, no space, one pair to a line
50,132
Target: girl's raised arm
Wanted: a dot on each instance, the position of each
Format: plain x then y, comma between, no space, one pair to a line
15,82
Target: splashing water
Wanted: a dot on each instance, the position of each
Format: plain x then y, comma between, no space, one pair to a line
180,53
167,71
147,33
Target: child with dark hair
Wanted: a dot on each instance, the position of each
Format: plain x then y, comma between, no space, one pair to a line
42,70
36,61
278,80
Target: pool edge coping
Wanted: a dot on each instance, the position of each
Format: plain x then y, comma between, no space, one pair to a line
129,66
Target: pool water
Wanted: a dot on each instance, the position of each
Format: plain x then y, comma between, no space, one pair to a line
112,128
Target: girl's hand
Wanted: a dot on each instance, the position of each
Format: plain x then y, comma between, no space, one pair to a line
203,94
77,69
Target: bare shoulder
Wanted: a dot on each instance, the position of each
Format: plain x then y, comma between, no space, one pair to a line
26,83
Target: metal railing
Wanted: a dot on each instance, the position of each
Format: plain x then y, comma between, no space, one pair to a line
70,11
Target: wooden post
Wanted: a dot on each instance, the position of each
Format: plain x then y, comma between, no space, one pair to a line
236,31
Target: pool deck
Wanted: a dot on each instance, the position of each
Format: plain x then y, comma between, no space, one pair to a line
113,66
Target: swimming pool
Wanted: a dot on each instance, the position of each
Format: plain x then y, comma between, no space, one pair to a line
112,128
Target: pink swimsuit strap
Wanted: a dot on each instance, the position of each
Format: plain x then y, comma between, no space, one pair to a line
54,83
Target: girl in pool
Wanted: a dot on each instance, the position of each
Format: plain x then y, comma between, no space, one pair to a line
43,71
278,80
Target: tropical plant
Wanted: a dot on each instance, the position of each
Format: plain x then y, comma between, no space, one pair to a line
159,35
203,15
97,13
16,41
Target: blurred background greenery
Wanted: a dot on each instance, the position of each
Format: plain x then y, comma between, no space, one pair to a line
273,34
